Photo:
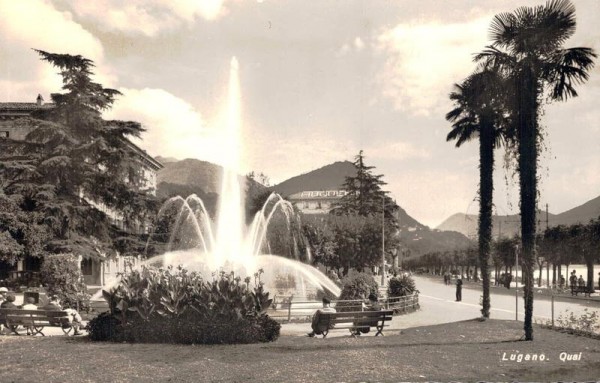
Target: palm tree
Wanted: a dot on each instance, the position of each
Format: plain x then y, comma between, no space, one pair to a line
527,45
480,111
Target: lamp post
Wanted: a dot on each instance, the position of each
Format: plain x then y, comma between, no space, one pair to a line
517,282
383,241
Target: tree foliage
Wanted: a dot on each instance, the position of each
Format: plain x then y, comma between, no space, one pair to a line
527,47
481,104
70,164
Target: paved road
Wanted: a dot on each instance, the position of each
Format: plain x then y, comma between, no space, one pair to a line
438,306
438,298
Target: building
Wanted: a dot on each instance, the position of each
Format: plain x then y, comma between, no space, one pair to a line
316,202
96,269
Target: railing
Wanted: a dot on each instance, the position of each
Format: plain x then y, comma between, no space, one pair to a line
284,308
27,278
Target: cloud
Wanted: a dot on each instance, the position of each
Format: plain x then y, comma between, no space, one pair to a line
357,45
174,128
397,151
147,17
425,59
28,24
430,195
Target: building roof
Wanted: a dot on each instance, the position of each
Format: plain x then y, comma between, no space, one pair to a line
19,109
24,106
318,195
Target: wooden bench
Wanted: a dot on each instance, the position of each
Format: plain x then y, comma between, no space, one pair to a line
34,321
582,289
354,321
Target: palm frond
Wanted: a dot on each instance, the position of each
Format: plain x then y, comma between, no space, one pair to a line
567,68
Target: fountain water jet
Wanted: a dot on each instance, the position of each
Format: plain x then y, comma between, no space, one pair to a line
195,245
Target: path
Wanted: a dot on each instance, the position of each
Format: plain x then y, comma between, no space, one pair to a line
438,306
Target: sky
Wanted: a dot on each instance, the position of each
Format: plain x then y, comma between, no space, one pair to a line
319,81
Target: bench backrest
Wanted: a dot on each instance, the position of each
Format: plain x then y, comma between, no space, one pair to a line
27,316
358,318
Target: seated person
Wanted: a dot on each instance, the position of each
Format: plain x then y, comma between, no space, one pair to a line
317,328
3,294
29,304
53,304
74,317
372,306
9,303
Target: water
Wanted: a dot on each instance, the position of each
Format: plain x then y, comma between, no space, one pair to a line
198,244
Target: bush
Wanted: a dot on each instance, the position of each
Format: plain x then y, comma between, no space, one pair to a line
357,286
586,323
174,306
61,276
401,286
104,327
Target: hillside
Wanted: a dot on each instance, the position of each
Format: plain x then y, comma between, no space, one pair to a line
580,214
191,172
419,238
329,177
191,176
510,225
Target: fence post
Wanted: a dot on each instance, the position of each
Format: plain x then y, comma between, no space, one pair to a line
290,310
552,310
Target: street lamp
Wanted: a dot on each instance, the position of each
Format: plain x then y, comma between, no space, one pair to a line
517,282
383,241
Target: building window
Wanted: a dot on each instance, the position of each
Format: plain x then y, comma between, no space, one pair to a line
4,134
86,266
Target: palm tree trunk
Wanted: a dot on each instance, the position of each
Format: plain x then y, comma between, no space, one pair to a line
528,131
486,189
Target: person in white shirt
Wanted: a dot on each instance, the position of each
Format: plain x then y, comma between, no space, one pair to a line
29,304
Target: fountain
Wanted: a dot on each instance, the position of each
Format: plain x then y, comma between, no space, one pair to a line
231,245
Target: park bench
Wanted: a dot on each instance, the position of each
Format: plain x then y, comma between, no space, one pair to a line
582,289
35,320
355,320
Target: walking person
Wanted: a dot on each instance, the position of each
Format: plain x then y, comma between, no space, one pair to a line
573,281
459,289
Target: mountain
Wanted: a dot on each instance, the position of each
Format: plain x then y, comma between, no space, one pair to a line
580,214
419,238
510,225
192,176
164,160
329,177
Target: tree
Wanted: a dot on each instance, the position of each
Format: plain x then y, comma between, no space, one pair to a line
364,195
71,163
527,46
480,110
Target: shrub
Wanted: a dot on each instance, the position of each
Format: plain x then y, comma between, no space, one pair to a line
61,276
586,323
104,327
285,282
401,286
176,306
357,286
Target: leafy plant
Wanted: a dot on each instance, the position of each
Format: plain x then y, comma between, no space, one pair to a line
61,276
357,286
401,286
588,322
176,306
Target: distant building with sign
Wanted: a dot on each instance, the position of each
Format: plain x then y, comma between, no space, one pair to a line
316,202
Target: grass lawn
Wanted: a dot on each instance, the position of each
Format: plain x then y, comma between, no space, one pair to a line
464,351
